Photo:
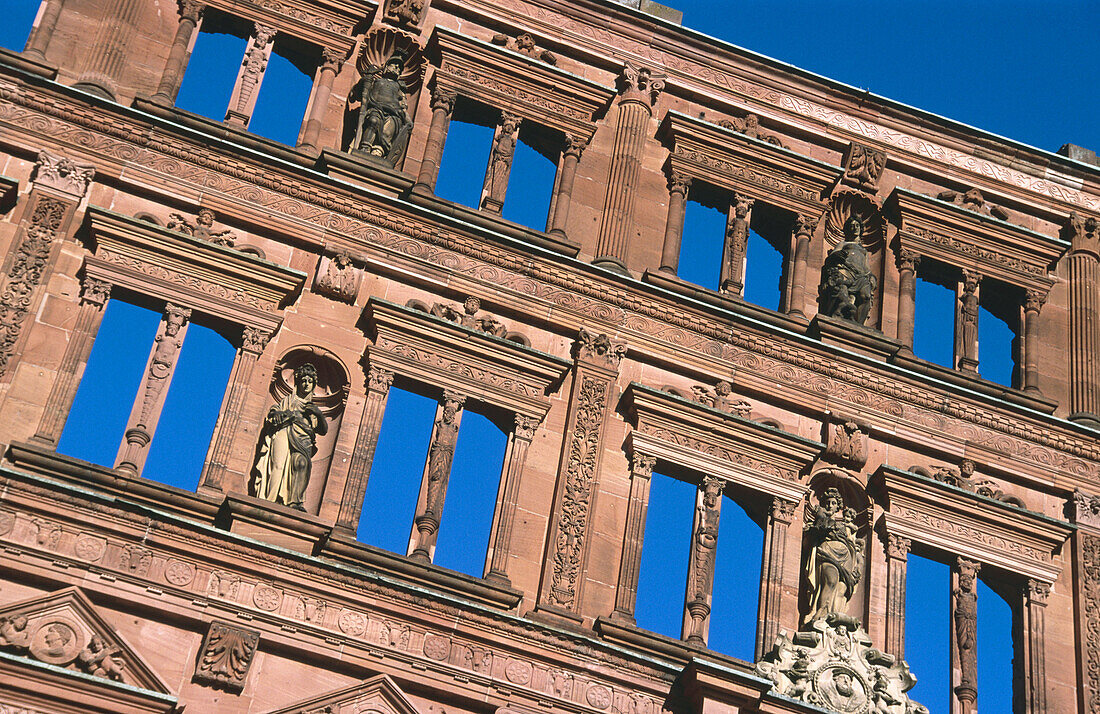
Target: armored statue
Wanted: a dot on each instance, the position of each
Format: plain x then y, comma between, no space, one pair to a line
847,288
289,443
384,125
835,560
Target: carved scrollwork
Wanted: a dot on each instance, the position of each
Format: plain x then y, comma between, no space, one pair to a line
63,174
640,84
863,166
749,125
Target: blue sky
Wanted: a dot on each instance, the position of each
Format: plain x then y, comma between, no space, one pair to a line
1023,70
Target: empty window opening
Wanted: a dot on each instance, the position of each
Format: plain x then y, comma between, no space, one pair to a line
998,332
19,16
215,61
531,181
466,153
666,547
288,82
928,632
394,484
995,653
115,369
766,256
463,539
735,605
704,236
934,316
182,438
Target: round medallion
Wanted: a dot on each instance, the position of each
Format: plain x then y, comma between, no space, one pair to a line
179,573
599,696
56,642
518,671
267,597
842,688
351,623
436,647
88,547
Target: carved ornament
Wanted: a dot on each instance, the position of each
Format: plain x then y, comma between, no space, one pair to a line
63,174
863,166
1084,509
749,125
202,228
469,315
525,44
598,349
1089,574
846,441
95,292
721,397
1083,233
640,84
338,278
973,200
405,13
226,656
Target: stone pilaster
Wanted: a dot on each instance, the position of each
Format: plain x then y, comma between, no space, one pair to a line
964,628
178,56
1084,319
326,74
362,456
1035,597
736,244
897,563
437,473
704,548
515,459
251,75
1033,303
771,574
443,105
571,156
803,234
907,261
626,592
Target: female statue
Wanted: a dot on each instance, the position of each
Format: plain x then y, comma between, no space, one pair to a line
835,560
289,443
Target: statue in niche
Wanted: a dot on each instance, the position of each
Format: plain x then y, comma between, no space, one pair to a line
847,288
835,560
289,443
384,124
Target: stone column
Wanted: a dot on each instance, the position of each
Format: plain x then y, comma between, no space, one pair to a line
626,592
704,546
362,456
966,323
251,75
907,261
500,163
92,301
964,627
443,105
154,388
1034,622
311,129
596,367
736,244
897,563
42,32
514,460
571,156
109,50
178,56
678,186
1084,318
1033,303
639,92
771,573
437,472
253,341
803,234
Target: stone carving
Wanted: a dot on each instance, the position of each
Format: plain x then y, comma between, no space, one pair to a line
721,397
863,166
847,289
749,125
1084,509
468,316
965,617
26,272
968,316
202,228
63,174
525,44
13,633
7,521
223,585
351,623
640,84
95,292
166,349
962,477
48,534
704,546
226,656
179,573
56,642
135,560
598,348
737,237
846,441
973,200
845,204
310,609
1089,573
833,665
289,442
391,66
405,13
834,563
338,278
500,162
98,659
254,339
1082,232
440,457
266,597
253,67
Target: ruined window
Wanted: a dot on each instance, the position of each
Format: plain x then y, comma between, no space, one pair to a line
928,632
766,252
704,227
16,28
215,60
934,315
665,548
531,181
735,604
287,84
999,332
466,153
995,650
392,489
463,540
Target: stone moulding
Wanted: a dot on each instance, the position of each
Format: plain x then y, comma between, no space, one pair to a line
717,443
752,167
183,270
378,694
935,514
953,235
322,22
518,84
437,352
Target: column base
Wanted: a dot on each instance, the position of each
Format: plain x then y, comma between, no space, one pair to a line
611,263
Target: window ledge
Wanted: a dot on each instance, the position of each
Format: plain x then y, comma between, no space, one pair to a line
732,303
974,383
271,523
25,63
855,338
636,638
361,171
346,549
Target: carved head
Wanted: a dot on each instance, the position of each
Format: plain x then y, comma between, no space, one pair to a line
752,124
205,217
394,65
843,682
832,501
305,380
712,489
967,576
525,43
853,229
973,198
57,637
19,622
966,468
173,321
723,388
471,306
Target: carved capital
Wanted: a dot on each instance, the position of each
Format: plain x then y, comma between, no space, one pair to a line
971,280
1036,592
452,402
907,260
1034,300
509,123
640,84
742,206
95,292
331,59
525,427
191,10
598,349
642,465
678,183
226,656
897,547
711,487
443,100
379,380
1083,233
804,227
176,314
263,35
574,145
254,339
1085,509
783,510
63,174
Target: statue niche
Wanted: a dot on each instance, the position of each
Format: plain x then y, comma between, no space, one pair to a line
391,66
299,431
834,564
847,289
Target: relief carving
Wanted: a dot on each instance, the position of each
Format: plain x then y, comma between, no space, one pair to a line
640,84
704,545
598,349
202,228
1083,233
1089,574
98,659
63,174
226,656
965,616
721,397
863,166
749,125
135,560
525,44
338,278
846,441
405,13
468,317
973,200
1084,509
254,65
962,477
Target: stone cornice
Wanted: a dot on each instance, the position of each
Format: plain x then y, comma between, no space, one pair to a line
325,23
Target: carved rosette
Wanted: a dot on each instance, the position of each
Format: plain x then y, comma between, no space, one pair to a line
226,656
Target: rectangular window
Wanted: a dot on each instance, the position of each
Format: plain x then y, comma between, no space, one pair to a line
998,332
531,181
995,651
928,632
284,94
215,61
766,253
466,153
666,546
934,316
735,606
704,235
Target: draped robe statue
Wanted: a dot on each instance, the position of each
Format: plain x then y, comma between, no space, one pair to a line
835,560
289,443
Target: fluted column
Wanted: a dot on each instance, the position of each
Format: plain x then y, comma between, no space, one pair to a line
443,105
964,642
704,547
626,592
110,49
253,341
514,461
803,234
1035,670
639,92
897,563
170,79
678,186
736,244
251,75
499,169
1084,319
362,456
966,323
437,473
42,32
92,301
154,389
771,573
311,131
1033,303
907,261
571,156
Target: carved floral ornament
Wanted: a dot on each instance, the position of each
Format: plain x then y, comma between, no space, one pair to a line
63,174
598,349
640,84
749,125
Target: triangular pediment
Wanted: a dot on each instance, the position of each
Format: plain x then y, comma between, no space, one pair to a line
64,629
377,695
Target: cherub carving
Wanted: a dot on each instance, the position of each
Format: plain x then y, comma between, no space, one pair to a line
13,632
973,200
525,44
202,228
97,659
